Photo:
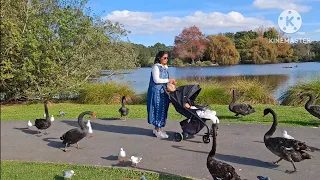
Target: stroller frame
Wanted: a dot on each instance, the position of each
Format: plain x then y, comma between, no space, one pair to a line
188,94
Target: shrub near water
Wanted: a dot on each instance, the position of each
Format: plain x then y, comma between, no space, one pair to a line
291,96
246,91
106,93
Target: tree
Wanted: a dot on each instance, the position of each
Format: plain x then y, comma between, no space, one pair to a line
260,51
222,50
284,50
230,35
143,55
189,44
54,47
271,33
242,39
303,52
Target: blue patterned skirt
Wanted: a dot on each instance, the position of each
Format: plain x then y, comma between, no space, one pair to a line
157,106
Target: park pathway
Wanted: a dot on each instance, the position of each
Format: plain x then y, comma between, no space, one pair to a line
240,145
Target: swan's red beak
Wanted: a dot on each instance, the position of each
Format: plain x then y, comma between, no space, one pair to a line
49,103
94,115
264,115
230,91
299,100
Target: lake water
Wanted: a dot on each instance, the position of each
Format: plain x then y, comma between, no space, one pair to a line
280,76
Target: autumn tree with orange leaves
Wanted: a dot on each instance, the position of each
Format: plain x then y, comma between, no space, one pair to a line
189,44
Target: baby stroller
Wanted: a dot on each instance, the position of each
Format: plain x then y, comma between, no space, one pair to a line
193,124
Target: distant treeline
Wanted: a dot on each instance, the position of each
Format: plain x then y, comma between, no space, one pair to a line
259,46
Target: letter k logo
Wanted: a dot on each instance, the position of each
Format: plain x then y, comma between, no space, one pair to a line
289,21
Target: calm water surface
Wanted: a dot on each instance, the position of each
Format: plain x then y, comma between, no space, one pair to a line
282,77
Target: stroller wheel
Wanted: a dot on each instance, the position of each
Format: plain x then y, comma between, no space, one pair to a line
206,139
178,137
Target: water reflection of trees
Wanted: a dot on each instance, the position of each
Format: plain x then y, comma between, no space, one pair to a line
273,81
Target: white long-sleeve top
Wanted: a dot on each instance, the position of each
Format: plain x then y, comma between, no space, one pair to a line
156,74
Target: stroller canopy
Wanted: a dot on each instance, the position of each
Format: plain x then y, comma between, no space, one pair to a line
184,94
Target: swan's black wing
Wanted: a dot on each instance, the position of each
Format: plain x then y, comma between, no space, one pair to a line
42,123
222,170
73,135
243,108
283,144
315,109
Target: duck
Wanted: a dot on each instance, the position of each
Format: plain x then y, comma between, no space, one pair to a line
290,150
243,109
313,110
218,169
43,124
124,111
73,136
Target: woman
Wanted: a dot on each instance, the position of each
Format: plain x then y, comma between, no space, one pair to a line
157,99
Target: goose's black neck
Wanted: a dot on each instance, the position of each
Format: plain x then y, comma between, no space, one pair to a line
123,100
310,101
214,142
80,119
46,111
274,125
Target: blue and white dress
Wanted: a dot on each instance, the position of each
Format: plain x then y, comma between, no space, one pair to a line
157,99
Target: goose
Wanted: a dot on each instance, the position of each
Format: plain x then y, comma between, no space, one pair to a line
124,111
243,109
218,169
290,150
43,124
73,136
313,110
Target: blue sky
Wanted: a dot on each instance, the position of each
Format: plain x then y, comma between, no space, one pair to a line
161,21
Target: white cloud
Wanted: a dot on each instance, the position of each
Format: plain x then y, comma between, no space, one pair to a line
281,4
146,23
317,31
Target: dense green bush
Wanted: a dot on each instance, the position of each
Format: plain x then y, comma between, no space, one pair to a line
291,96
106,93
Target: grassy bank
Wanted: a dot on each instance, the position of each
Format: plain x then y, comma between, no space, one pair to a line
288,115
291,96
39,171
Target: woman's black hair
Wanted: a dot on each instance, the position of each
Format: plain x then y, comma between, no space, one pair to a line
159,56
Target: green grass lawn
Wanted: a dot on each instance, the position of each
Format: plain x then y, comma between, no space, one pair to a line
287,115
34,170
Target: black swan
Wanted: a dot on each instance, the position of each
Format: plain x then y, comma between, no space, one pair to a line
313,110
288,149
243,109
43,124
218,169
124,111
73,136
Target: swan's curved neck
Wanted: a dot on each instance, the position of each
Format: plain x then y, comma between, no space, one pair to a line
214,142
122,102
310,101
80,119
233,99
273,127
46,111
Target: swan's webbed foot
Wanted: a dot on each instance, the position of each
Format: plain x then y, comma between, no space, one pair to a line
78,147
276,162
290,172
65,148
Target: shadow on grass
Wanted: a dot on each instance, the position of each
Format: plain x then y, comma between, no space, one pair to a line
57,177
110,119
129,130
230,117
234,159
